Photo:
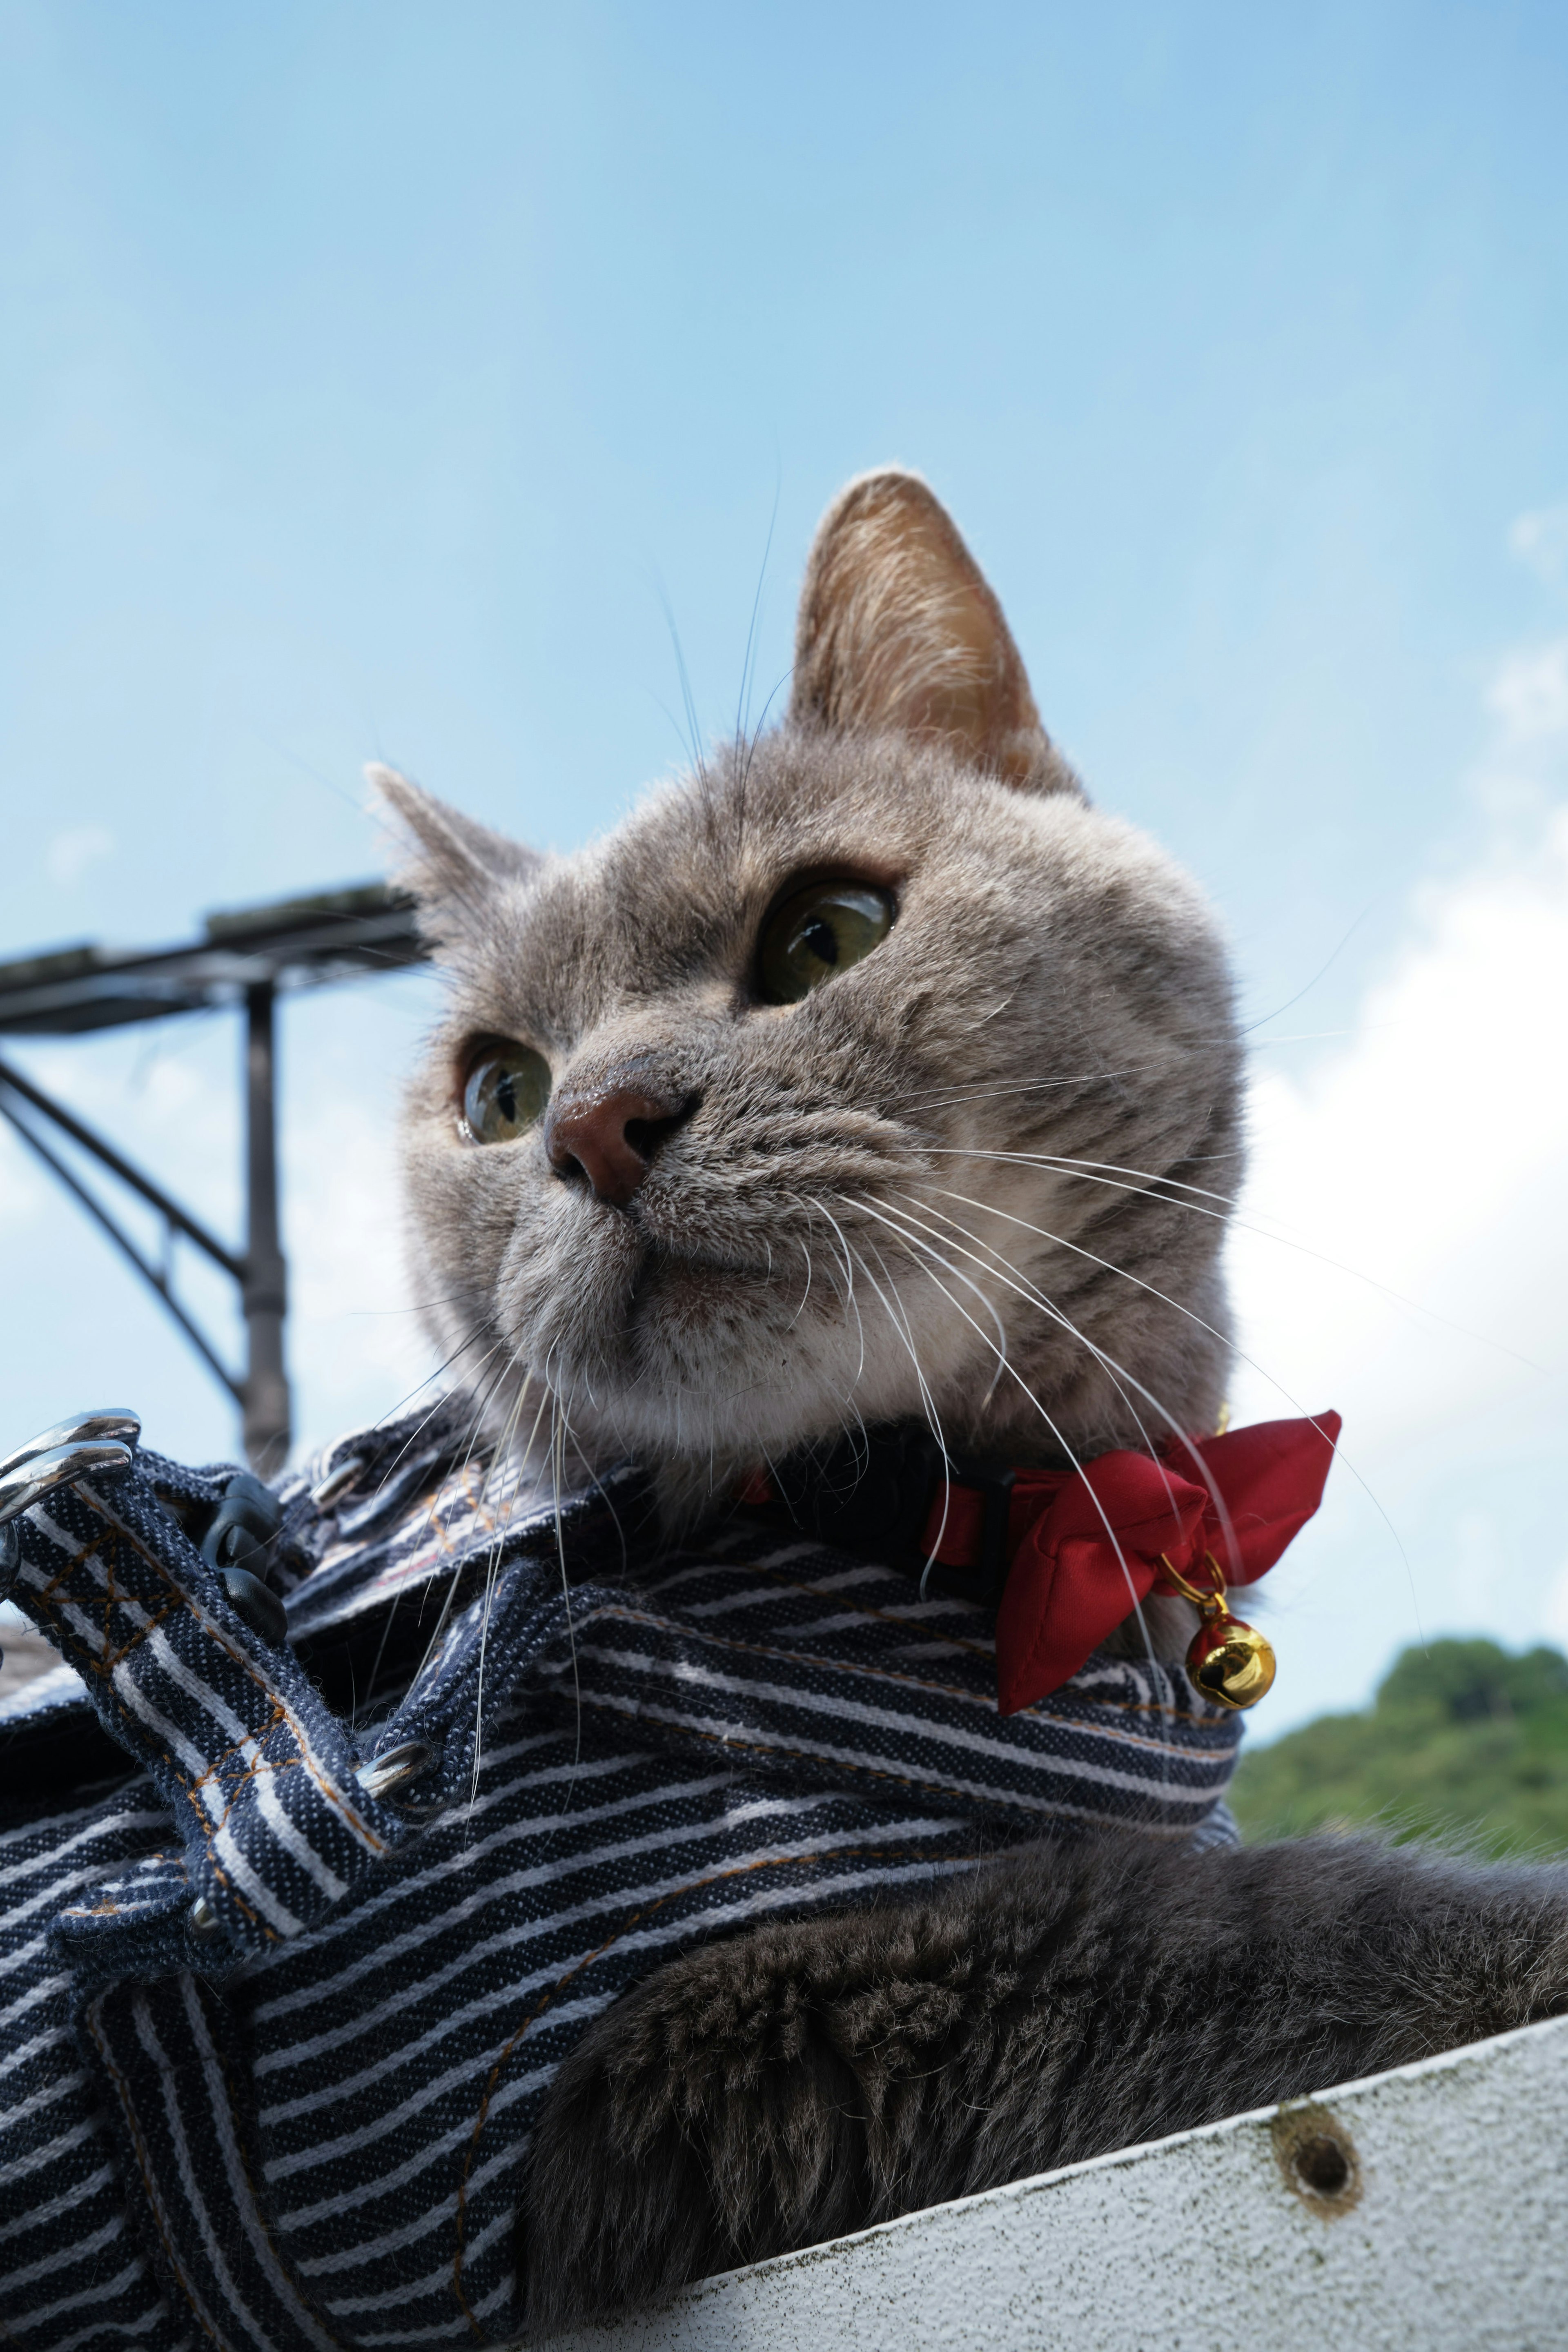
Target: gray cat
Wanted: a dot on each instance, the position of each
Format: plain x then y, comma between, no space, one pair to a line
870,1076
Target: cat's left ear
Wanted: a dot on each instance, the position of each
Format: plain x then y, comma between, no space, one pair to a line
900,632
449,862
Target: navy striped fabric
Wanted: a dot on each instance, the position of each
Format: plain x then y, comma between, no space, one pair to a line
306,2127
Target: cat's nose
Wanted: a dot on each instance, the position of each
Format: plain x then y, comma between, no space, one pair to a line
610,1135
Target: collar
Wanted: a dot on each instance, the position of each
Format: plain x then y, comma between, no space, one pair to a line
1062,1556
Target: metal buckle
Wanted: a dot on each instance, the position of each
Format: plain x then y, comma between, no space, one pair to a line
101,1442
337,1483
384,1776
125,1428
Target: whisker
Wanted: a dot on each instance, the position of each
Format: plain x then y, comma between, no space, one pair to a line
398,1457
743,705
947,1095
1223,1336
1085,1169
1072,1456
933,1419
1082,1174
1117,1373
456,1578
838,1233
492,1567
1019,1282
1000,1349
1144,1175
805,1293
558,1434
443,1398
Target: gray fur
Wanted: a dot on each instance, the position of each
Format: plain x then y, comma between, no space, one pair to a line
1047,1030
807,2080
1053,985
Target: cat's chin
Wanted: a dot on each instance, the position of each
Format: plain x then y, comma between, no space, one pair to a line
708,1366
687,1356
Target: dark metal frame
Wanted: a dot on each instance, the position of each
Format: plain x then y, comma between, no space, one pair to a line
245,959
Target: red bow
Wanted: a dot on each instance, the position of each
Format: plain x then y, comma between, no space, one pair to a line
1068,1588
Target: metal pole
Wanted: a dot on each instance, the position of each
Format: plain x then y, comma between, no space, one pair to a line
266,1392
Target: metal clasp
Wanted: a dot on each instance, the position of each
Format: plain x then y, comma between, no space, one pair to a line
383,1775
102,1442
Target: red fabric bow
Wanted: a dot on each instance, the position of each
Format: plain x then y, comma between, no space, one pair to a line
1068,1589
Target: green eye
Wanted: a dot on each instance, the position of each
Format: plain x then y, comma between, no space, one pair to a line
817,932
508,1087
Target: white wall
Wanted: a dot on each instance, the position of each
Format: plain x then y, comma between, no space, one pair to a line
1448,2232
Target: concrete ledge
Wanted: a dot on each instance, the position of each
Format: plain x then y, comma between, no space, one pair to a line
1427,2209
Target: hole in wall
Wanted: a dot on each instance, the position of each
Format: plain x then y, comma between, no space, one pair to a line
1317,2159
1322,2168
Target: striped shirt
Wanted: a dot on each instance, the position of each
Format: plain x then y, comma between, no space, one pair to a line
273,2046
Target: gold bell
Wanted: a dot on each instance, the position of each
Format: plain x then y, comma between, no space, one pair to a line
1229,1662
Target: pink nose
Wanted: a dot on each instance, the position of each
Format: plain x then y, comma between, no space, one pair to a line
610,1137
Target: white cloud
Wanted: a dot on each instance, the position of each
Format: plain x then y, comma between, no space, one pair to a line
1429,1153
69,853
1541,540
355,1346
1415,1154
1529,693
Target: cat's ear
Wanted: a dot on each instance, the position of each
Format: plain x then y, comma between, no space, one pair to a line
898,632
449,862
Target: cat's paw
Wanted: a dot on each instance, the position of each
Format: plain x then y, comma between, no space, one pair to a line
708,2119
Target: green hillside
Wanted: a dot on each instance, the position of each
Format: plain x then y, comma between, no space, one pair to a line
1461,1737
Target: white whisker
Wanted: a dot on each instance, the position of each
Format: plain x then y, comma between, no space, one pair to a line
805,1293
1118,1372
558,1450
1182,1435
492,1566
849,1275
1082,1172
933,1419
1115,1541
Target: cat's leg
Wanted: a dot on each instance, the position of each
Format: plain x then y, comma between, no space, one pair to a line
802,2080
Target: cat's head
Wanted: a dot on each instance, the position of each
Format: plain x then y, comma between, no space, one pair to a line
868,1075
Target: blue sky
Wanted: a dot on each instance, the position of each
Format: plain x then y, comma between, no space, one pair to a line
372,377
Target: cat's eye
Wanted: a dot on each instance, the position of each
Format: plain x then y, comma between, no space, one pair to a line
506,1089
817,931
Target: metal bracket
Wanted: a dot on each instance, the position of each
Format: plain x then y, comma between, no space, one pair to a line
245,959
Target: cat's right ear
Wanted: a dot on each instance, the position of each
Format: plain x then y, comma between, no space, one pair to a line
900,632
448,862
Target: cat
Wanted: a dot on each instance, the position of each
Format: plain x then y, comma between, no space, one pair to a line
867,1076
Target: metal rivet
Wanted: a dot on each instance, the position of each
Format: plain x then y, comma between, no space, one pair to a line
395,1768
336,1482
203,1919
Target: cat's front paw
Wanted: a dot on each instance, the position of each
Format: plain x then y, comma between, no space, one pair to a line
698,2125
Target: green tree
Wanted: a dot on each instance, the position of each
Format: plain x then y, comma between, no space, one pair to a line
1462,1738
